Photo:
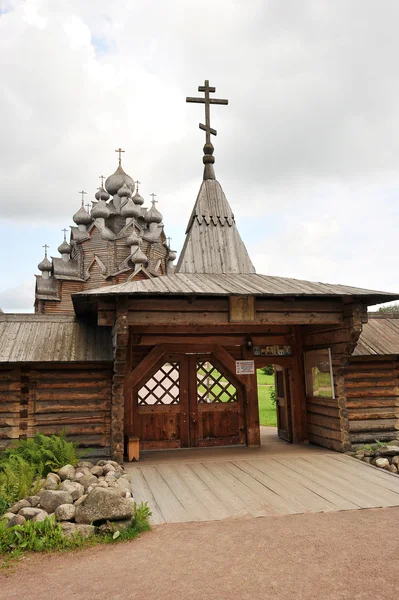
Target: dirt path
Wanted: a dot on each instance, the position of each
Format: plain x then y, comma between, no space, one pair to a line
348,555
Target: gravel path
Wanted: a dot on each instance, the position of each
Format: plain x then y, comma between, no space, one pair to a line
345,555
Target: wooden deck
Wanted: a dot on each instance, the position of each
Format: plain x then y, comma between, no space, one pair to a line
220,484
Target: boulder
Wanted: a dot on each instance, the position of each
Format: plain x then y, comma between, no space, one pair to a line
88,480
16,520
97,471
18,505
67,472
69,529
50,499
65,512
103,484
52,482
382,463
41,516
86,464
73,487
104,505
395,461
107,468
33,500
112,526
123,484
8,516
80,500
393,469
31,513
367,459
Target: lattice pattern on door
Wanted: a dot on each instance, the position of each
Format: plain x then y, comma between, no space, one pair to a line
162,388
212,386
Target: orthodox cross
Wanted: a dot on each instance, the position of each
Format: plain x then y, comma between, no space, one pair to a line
88,208
169,239
102,178
45,249
65,232
153,199
120,152
207,100
83,193
137,186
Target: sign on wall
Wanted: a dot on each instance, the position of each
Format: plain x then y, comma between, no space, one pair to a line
245,367
272,350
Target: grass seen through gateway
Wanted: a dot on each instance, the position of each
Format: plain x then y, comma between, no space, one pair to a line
267,409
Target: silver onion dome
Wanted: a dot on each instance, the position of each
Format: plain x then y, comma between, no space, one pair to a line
129,209
102,194
44,265
82,217
114,182
133,239
139,258
100,210
64,248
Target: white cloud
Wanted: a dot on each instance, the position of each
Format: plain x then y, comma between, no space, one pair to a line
310,137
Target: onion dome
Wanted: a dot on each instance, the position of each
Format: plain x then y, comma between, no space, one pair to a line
172,255
82,217
133,239
153,215
124,191
129,209
114,182
137,199
101,194
100,210
64,248
139,258
45,265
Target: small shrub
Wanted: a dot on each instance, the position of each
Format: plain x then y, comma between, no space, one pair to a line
268,369
35,537
273,396
17,479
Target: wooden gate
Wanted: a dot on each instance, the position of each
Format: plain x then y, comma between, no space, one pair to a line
187,400
283,402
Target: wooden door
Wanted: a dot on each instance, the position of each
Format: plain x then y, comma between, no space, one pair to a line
283,402
216,404
160,404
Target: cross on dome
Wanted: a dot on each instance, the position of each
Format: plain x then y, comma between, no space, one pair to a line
45,249
119,150
137,186
102,178
88,207
153,199
65,232
83,193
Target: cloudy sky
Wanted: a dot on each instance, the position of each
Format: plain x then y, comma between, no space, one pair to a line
307,150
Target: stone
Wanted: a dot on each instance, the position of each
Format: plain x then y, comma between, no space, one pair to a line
80,500
123,484
69,529
8,516
360,455
367,459
103,484
67,472
30,513
382,463
112,526
16,520
393,469
107,468
86,464
41,516
395,461
18,505
74,488
65,512
50,499
33,500
88,480
104,505
97,471
52,482
387,451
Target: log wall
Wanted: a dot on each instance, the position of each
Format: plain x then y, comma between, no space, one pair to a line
372,390
48,398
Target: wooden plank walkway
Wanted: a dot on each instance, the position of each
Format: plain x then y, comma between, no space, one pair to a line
207,489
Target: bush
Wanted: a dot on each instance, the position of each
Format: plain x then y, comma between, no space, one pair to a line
45,453
35,537
17,479
268,369
273,396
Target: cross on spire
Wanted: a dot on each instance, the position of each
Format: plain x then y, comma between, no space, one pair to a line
120,152
169,239
65,232
153,199
88,208
102,178
83,194
45,250
137,186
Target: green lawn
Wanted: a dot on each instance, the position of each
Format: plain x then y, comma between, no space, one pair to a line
267,410
264,379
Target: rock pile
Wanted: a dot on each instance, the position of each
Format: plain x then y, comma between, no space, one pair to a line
382,456
88,498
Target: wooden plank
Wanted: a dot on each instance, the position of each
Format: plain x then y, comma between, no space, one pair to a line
371,489
231,501
144,368
142,493
196,510
171,508
384,479
203,493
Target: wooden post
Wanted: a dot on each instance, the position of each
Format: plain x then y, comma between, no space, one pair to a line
120,339
298,392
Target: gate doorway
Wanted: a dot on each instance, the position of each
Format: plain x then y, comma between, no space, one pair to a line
187,400
274,399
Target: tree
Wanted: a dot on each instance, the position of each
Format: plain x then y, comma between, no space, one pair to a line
393,308
268,369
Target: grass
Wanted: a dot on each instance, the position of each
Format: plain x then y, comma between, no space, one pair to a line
267,410
264,379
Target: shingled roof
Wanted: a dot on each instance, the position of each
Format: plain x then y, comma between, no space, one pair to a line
380,336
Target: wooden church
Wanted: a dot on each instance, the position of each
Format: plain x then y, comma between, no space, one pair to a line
126,349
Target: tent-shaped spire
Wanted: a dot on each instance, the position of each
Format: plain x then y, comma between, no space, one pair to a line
213,244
